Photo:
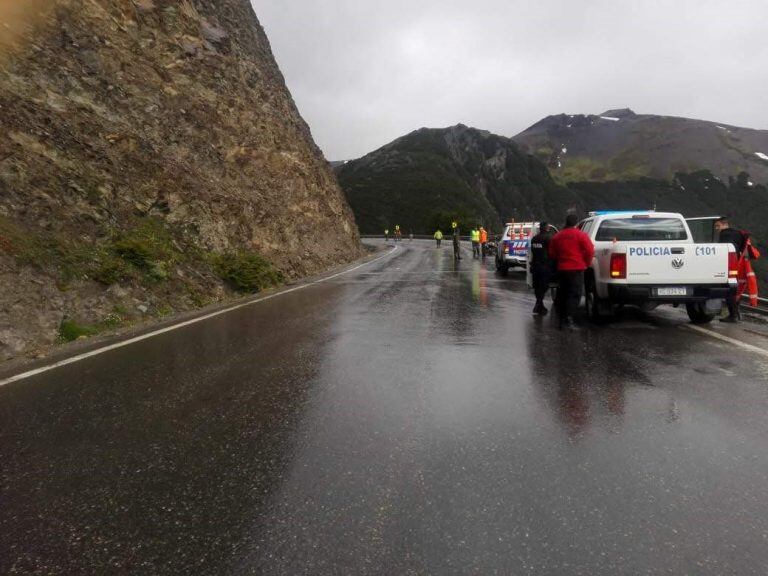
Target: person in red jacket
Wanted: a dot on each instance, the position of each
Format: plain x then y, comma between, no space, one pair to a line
572,251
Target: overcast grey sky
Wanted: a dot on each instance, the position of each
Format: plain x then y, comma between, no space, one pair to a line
364,72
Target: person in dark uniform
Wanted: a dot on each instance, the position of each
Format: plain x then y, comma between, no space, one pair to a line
541,266
728,235
456,242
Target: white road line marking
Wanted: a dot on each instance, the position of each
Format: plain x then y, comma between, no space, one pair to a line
98,351
739,344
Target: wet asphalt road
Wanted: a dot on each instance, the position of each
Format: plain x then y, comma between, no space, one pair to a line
407,418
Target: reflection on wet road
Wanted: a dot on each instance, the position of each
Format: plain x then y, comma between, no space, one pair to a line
410,417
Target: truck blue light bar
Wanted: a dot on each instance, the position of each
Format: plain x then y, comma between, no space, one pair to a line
609,212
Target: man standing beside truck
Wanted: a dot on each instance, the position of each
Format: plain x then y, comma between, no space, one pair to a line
573,251
728,235
541,266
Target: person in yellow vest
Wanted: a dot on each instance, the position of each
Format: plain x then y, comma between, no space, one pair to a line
438,237
386,234
474,237
398,234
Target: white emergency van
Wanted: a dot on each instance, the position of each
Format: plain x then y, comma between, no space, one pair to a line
512,251
650,258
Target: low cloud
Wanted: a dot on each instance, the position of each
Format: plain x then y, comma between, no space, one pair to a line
364,72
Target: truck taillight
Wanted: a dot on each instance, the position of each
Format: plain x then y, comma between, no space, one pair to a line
618,265
733,265
506,248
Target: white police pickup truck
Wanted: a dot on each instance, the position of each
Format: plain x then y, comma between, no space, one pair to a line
650,258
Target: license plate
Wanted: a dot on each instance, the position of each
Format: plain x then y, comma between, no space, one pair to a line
672,291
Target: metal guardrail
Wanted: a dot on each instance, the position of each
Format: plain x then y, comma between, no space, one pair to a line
446,237
761,308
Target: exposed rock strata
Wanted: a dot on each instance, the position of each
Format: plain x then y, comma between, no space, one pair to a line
113,112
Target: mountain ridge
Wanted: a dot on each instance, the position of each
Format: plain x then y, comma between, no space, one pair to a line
621,144
431,176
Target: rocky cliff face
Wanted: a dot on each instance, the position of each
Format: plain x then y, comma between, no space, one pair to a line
144,140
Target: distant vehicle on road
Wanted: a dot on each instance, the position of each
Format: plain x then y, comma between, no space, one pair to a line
512,251
648,258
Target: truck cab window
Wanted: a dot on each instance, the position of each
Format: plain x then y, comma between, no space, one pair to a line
641,230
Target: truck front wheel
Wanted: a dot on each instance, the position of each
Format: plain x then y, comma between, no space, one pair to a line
697,312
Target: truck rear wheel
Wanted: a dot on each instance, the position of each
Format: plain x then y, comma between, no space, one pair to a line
697,312
598,309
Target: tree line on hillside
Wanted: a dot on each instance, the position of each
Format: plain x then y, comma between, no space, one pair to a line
421,211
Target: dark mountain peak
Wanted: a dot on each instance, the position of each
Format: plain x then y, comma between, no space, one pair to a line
462,130
427,178
619,113
559,122
619,144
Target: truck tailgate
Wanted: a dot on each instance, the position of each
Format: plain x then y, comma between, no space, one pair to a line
670,264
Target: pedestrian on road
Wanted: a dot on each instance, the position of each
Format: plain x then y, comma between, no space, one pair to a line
474,236
386,234
541,266
456,242
728,235
439,237
483,240
573,252
398,234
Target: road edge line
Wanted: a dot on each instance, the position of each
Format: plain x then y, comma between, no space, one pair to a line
128,342
728,339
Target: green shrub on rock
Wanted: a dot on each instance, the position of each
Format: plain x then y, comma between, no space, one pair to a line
109,270
246,271
134,251
70,331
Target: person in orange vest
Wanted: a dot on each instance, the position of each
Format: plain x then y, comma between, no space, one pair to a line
483,240
728,235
